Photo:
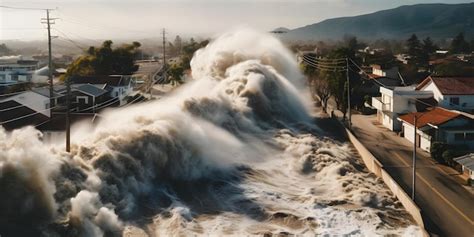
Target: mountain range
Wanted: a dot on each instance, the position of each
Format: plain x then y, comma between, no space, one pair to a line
439,21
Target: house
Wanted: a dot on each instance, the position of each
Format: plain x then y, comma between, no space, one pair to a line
379,70
89,98
118,86
396,101
441,125
35,100
467,165
18,71
14,115
451,92
58,97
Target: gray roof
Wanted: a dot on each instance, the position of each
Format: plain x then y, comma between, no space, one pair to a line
466,161
44,91
44,71
90,89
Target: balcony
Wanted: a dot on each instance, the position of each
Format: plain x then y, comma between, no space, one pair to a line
379,105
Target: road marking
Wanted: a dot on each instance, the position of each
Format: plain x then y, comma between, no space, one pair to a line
436,191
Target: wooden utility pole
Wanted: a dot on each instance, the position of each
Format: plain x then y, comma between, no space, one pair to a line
348,94
68,114
50,21
164,54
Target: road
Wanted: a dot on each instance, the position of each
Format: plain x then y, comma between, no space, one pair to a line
447,207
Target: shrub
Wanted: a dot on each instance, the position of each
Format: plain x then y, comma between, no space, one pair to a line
437,149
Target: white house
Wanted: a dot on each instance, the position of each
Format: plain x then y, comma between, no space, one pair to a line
467,165
32,100
438,124
118,86
19,71
385,71
451,92
396,101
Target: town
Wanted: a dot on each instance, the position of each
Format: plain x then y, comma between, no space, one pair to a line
405,107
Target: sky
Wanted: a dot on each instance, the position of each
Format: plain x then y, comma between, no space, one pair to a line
142,19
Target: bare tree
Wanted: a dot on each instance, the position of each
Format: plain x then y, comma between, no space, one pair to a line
320,90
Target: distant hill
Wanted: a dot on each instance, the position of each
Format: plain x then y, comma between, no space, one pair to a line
435,20
281,30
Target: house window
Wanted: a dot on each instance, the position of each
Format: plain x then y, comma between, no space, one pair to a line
454,100
469,136
458,136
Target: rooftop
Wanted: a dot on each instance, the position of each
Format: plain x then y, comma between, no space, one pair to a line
90,89
24,116
434,116
466,161
112,80
451,85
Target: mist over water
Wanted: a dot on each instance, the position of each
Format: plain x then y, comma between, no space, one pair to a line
235,151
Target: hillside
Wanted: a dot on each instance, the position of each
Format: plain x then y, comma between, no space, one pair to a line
435,20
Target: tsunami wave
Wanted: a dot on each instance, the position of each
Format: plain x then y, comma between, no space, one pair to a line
235,151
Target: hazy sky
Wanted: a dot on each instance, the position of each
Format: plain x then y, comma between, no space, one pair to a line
138,19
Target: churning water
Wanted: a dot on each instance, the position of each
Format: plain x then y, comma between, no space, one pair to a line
233,152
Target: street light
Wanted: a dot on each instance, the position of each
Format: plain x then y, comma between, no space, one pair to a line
415,120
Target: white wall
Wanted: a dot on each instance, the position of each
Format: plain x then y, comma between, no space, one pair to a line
408,132
467,100
425,142
443,100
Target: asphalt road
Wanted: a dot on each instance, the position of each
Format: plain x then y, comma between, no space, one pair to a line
447,207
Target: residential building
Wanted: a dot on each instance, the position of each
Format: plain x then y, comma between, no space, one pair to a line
35,100
118,86
15,115
397,101
389,71
18,71
89,98
438,124
451,92
467,166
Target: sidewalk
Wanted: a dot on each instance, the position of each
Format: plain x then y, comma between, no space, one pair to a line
446,204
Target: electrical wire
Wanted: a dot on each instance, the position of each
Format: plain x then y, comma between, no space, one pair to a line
26,116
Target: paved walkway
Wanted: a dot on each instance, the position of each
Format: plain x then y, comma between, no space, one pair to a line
446,205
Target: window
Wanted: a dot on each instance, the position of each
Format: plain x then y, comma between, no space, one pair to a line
458,136
454,100
470,136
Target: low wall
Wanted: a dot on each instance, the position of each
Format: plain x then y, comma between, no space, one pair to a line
377,168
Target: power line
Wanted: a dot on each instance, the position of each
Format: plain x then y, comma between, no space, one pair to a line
26,116
25,8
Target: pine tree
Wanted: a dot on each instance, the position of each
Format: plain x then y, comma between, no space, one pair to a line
428,46
414,46
459,44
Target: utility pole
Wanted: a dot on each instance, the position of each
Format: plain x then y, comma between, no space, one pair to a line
68,114
50,21
164,54
348,94
413,180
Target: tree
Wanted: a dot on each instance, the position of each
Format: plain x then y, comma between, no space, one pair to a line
428,46
4,50
178,43
176,74
414,46
106,60
459,44
319,87
437,149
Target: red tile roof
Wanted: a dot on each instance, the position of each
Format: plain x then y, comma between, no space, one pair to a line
435,116
451,85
